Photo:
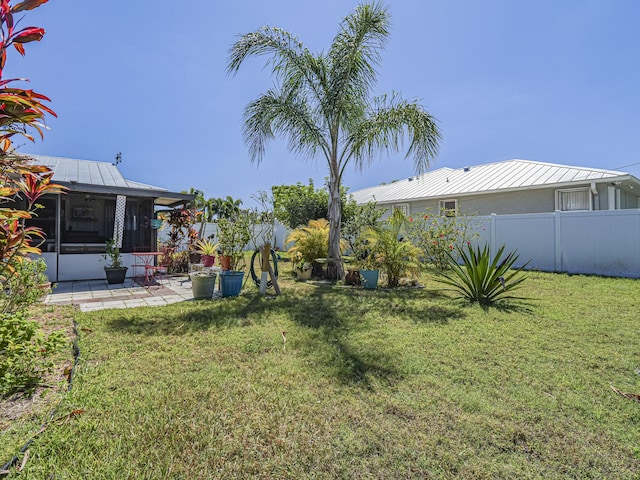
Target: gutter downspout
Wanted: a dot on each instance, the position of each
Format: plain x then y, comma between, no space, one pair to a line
594,194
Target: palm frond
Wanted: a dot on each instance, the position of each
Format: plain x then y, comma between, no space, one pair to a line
385,128
284,114
292,64
353,57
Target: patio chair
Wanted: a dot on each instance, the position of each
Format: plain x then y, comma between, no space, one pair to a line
161,270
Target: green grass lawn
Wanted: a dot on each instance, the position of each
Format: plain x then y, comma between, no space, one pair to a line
372,384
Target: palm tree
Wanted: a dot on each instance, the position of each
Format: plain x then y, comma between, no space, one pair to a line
323,106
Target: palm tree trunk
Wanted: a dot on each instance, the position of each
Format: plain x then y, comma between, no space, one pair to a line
335,220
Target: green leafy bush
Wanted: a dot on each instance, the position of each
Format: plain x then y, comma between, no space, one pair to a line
309,242
439,235
482,279
25,287
25,353
396,255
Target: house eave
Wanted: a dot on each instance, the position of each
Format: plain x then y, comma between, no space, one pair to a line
617,180
161,197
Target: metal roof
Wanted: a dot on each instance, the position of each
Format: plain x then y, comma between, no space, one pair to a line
507,175
102,177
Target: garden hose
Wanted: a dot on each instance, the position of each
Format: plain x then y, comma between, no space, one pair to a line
255,277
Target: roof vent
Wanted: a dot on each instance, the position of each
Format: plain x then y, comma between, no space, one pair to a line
466,169
410,179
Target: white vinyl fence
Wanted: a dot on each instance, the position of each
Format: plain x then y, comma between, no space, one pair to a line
604,242
280,233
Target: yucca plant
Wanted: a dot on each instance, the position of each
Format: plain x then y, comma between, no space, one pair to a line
480,278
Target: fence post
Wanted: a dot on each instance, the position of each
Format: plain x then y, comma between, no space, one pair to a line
557,264
492,234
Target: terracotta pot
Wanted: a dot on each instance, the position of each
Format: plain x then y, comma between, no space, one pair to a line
225,262
352,277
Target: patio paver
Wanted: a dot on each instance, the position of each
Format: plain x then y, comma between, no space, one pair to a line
98,294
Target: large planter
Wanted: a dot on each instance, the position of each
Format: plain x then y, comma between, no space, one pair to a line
115,274
304,273
202,285
369,279
231,283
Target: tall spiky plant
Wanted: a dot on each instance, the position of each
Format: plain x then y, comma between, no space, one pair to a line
322,104
480,278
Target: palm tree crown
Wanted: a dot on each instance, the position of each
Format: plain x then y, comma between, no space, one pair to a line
322,104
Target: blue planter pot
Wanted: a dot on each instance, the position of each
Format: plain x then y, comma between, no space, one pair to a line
369,279
231,283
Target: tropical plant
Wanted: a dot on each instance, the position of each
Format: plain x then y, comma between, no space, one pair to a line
233,236
396,255
112,254
309,242
322,103
206,247
480,278
361,219
181,222
24,351
226,207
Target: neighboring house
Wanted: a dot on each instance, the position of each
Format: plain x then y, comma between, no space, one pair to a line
100,204
508,187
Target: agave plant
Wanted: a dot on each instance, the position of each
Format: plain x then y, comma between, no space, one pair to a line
479,278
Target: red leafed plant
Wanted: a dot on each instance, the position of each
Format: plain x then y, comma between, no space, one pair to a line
20,111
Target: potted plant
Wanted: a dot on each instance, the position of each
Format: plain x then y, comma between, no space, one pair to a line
233,237
367,262
303,269
207,250
364,218
395,255
115,271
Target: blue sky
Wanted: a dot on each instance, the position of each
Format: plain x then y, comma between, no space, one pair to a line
540,80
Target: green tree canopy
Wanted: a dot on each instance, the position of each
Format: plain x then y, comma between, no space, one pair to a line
295,205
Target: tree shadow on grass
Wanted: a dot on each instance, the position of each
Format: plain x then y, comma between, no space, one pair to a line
338,317
178,319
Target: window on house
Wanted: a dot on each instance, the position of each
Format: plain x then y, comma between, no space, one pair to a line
403,207
573,199
449,208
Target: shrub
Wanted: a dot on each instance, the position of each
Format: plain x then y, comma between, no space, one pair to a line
25,287
25,353
176,262
482,279
396,255
439,235
309,242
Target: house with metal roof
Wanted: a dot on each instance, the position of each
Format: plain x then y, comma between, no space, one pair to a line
100,205
507,187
